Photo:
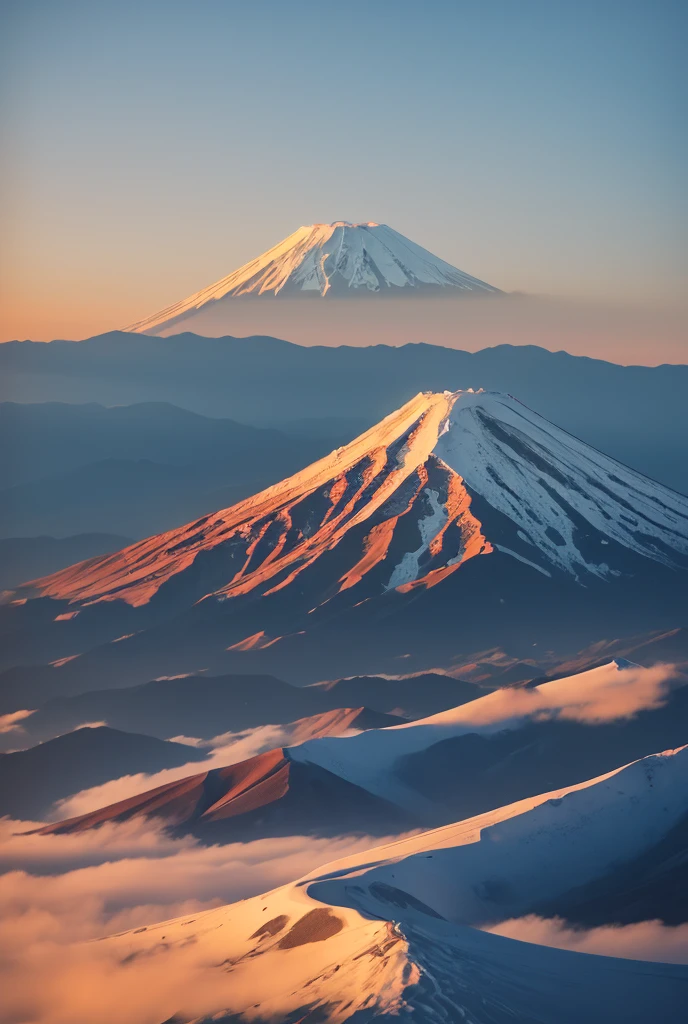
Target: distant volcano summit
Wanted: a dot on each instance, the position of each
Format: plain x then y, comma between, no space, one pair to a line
322,261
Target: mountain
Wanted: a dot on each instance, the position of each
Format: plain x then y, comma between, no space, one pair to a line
32,780
636,414
205,706
580,831
325,260
266,795
51,438
462,520
505,746
669,646
393,931
25,558
513,743
413,696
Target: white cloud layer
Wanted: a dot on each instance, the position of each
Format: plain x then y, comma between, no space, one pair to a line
60,892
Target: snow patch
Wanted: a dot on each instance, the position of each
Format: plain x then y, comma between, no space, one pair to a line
408,568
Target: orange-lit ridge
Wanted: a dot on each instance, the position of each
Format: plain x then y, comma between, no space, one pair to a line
394,510
276,534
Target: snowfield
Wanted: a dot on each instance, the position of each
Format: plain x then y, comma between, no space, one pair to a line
612,691
387,934
548,483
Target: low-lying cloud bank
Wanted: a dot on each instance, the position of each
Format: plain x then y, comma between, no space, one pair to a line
646,940
604,694
123,866
60,892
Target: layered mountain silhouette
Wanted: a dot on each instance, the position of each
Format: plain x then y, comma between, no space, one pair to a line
634,413
204,707
25,558
134,469
505,746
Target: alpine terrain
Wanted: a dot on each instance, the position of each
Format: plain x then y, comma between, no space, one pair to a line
393,933
325,260
463,520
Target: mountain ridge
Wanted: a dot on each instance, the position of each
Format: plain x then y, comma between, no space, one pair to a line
462,521
325,259
267,381
436,445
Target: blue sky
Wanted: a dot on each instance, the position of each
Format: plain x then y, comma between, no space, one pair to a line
152,147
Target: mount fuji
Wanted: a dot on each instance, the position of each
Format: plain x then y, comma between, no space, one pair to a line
463,520
324,261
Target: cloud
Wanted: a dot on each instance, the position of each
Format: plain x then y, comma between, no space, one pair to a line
74,889
10,723
90,983
50,854
603,694
646,940
133,863
238,746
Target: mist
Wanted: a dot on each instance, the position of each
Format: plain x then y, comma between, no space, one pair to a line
620,333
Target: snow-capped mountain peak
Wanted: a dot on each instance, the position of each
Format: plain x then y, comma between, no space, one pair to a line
328,259
448,477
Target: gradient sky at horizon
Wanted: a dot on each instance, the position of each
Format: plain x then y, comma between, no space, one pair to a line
150,148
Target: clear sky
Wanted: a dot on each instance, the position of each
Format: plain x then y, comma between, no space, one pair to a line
152,147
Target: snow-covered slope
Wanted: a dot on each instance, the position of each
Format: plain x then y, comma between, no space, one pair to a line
508,745
609,693
387,934
446,478
502,863
327,259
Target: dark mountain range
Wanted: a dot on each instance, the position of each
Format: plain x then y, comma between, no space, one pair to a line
47,439
137,497
636,414
205,706
69,469
644,649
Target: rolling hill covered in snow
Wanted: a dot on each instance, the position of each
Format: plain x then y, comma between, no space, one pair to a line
392,933
352,770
